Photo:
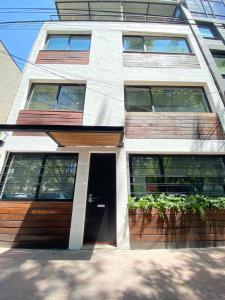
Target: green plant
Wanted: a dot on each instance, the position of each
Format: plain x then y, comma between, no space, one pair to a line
132,202
185,203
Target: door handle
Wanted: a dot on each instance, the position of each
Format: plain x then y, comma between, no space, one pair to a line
90,198
100,205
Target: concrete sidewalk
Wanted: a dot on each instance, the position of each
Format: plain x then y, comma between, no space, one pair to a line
112,274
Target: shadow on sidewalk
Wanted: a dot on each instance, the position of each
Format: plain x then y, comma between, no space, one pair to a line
123,275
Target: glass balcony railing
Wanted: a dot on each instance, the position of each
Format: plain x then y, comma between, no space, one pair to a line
125,11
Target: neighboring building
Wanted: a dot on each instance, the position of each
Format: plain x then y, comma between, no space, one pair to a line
102,69
207,20
9,78
208,9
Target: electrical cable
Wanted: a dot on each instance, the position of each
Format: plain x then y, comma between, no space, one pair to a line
75,82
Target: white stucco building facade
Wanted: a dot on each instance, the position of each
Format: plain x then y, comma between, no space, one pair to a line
109,70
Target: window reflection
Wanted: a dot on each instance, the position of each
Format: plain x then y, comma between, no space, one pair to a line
177,174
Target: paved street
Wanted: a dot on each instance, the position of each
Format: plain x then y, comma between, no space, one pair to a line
112,274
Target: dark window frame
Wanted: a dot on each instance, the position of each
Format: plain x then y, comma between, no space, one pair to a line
44,157
59,85
212,15
68,41
212,28
218,54
162,173
160,86
150,36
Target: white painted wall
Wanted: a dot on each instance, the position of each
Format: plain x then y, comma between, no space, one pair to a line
105,77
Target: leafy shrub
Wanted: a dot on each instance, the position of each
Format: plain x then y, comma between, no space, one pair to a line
183,203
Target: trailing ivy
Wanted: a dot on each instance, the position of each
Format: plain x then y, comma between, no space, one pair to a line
178,203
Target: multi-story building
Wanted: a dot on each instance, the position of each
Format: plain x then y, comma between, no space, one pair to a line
9,79
117,99
207,20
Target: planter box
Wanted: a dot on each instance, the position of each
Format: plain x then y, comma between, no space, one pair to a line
176,230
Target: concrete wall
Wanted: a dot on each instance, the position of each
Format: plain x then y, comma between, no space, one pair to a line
105,77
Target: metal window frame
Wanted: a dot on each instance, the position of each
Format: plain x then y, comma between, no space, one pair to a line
58,85
64,85
209,110
158,37
139,87
160,156
213,30
54,35
205,14
133,36
43,156
69,36
218,54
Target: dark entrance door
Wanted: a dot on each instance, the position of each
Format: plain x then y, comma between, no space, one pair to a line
100,222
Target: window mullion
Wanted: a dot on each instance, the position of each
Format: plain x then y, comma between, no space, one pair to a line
144,46
5,174
68,45
57,95
161,170
30,97
40,176
151,100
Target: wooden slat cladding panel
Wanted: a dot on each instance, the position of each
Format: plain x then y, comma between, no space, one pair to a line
160,60
148,229
35,224
63,57
178,125
86,138
42,117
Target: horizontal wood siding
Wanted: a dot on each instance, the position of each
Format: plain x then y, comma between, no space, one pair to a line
63,57
42,117
35,224
148,229
173,126
86,138
160,60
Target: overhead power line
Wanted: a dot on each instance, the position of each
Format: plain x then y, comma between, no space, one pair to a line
211,131
112,98
53,72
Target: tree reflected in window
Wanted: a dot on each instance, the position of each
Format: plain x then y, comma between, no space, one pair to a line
39,177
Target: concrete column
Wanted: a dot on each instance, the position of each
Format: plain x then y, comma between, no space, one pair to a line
79,203
121,204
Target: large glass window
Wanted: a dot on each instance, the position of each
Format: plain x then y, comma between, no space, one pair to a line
80,43
59,97
220,62
57,42
165,99
207,31
68,42
207,8
39,177
133,43
177,174
138,99
155,44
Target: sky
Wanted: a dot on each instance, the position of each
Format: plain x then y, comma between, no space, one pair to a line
19,39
